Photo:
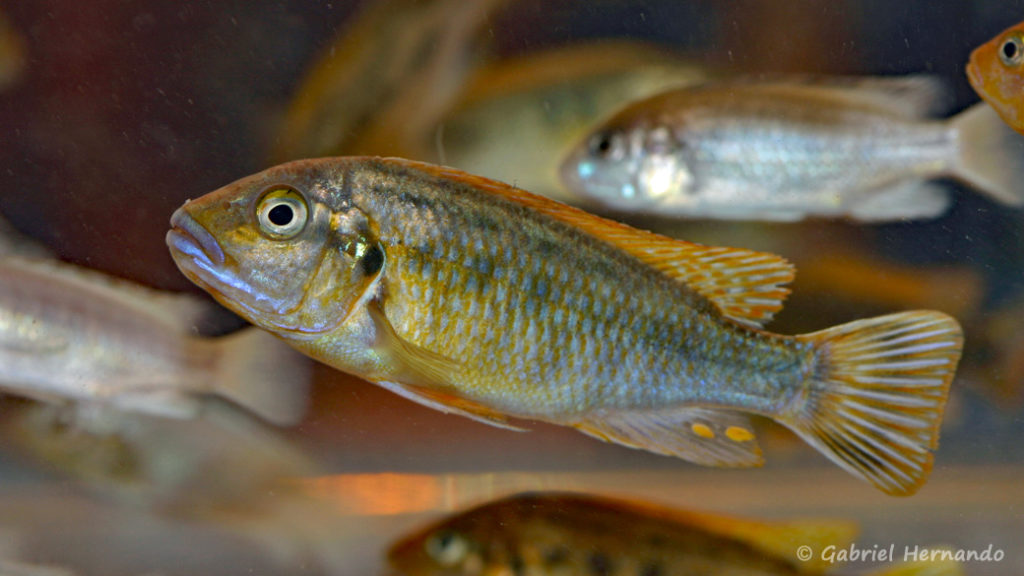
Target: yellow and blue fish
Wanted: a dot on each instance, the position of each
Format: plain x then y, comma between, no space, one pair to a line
474,297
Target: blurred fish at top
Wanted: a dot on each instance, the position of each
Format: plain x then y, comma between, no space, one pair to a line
785,150
996,71
12,53
386,79
71,335
517,118
564,534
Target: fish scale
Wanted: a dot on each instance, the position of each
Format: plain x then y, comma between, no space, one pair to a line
596,374
474,297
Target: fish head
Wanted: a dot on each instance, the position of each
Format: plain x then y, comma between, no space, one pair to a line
996,71
447,549
283,248
629,166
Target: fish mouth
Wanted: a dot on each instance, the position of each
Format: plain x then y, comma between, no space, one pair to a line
190,238
974,75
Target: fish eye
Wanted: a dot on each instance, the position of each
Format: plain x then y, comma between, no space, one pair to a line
1011,52
282,213
447,548
602,144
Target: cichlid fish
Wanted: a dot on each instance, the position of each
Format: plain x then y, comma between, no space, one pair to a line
474,297
549,99
778,150
564,534
69,335
996,71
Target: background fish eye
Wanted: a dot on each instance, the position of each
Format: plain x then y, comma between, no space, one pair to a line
1012,50
447,548
282,213
601,144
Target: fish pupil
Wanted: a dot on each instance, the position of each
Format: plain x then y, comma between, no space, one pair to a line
602,144
281,215
1009,50
373,260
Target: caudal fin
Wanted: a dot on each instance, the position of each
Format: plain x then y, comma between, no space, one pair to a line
990,154
264,375
939,566
875,398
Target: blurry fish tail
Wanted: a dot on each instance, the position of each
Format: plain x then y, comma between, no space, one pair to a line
927,567
876,393
990,154
264,375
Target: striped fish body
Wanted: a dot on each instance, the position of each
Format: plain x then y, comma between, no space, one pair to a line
552,323
474,297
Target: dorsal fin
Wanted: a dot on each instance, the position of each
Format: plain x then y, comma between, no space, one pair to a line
746,286
775,538
780,539
910,97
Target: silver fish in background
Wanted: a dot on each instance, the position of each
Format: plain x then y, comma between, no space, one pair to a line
777,150
519,117
225,460
74,335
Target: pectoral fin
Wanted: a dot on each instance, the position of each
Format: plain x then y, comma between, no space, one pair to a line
700,435
424,376
409,364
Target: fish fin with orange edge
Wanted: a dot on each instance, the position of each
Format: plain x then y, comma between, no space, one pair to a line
449,404
875,395
927,567
744,285
700,435
424,377
783,539
989,154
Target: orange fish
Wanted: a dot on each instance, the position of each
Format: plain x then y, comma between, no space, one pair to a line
475,297
996,71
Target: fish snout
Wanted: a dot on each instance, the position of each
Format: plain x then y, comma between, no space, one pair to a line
974,75
188,236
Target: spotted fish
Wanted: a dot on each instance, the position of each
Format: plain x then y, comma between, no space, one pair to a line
564,534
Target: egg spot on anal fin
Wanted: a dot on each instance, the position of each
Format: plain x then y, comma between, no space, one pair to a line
703,430
738,434
693,433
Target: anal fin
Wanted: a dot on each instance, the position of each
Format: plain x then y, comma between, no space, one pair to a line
701,435
912,199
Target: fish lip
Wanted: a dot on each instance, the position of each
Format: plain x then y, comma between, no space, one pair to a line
187,235
974,74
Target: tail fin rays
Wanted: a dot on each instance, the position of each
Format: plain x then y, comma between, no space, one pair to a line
875,399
